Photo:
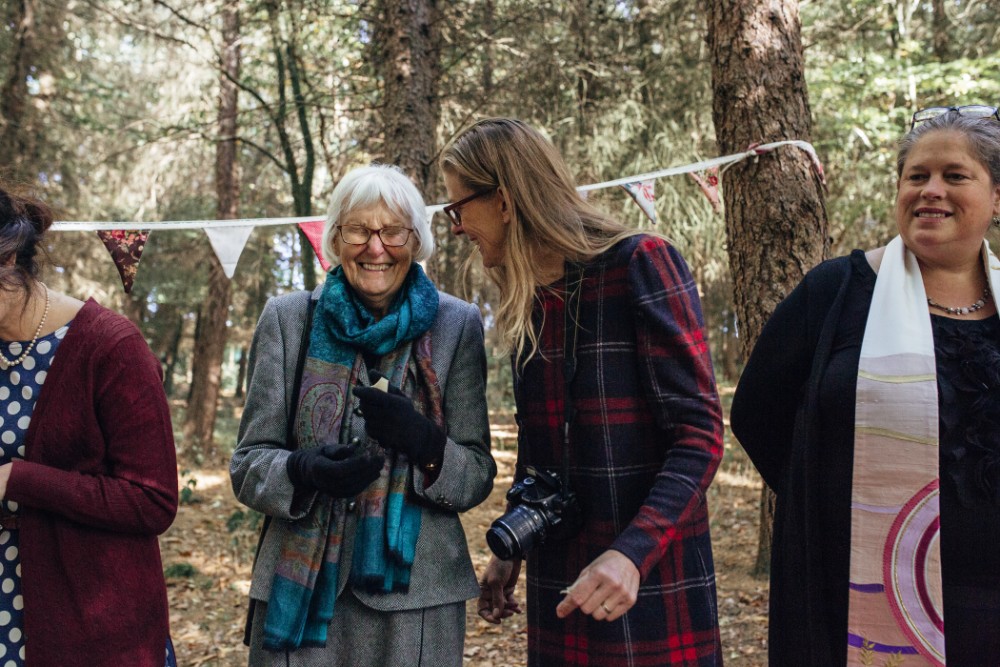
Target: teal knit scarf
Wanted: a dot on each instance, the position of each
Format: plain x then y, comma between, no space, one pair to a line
304,588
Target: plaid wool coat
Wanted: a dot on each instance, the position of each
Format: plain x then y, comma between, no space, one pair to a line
644,445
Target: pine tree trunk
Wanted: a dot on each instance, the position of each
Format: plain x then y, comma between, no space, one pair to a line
941,31
408,58
775,217
14,142
206,364
173,354
241,371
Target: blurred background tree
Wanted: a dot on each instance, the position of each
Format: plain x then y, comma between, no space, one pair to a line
110,109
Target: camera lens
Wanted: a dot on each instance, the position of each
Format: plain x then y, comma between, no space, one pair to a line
514,534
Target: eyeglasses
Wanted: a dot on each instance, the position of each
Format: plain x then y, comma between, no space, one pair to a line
970,110
391,237
454,211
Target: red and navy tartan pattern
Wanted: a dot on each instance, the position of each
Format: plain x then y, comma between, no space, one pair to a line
645,445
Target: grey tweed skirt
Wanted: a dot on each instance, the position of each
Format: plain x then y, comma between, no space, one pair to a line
363,637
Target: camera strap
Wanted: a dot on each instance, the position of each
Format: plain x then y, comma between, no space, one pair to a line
571,330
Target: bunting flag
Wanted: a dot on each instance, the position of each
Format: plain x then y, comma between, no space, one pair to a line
313,229
228,244
709,184
125,246
642,193
229,237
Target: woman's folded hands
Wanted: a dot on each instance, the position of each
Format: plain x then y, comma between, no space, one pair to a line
342,471
391,419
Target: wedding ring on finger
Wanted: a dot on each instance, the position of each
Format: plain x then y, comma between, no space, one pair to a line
605,608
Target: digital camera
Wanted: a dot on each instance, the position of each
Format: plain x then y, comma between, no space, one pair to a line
543,508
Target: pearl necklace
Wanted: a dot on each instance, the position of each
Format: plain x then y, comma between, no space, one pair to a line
6,363
978,305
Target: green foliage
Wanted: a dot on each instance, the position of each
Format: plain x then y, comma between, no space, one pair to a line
180,571
123,106
244,520
187,495
869,69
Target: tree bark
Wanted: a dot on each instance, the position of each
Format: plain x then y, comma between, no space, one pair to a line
241,371
760,96
206,364
940,31
289,73
14,142
407,58
172,354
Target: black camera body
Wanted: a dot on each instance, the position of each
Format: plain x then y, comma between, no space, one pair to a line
542,508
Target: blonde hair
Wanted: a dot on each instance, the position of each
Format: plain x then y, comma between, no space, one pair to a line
547,214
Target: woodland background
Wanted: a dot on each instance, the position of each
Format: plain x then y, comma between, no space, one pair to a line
153,110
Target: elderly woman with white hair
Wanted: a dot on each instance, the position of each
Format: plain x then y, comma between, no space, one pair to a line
363,560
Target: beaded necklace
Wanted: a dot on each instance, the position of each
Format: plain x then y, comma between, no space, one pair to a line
963,310
6,363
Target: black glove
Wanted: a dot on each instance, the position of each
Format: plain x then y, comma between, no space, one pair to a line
391,419
338,470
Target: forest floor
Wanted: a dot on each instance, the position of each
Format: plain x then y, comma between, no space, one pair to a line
208,553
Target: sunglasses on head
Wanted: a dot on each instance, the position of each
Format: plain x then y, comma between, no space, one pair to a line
969,110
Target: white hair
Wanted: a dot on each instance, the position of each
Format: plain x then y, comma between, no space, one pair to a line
379,183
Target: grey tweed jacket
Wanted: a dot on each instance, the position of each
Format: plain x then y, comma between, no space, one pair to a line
442,572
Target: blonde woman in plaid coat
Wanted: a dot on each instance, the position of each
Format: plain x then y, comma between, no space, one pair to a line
636,585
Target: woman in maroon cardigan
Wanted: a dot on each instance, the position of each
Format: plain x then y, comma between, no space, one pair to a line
88,476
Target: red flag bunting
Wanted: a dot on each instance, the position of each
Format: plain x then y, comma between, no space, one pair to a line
314,232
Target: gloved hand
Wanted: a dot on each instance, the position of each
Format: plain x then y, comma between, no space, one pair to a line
391,419
338,470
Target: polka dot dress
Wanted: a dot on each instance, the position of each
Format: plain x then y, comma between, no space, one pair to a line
19,387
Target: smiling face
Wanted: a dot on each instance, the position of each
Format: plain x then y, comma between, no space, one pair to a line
484,220
376,272
945,199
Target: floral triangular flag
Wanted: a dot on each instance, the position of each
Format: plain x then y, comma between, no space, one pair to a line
709,184
125,246
642,193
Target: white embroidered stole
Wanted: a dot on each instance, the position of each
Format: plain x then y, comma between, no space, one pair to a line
896,615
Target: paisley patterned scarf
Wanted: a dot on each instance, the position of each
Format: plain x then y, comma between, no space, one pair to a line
895,609
304,588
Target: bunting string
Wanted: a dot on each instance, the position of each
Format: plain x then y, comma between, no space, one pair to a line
753,152
126,240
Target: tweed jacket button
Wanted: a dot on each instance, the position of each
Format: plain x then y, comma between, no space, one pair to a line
354,441
351,505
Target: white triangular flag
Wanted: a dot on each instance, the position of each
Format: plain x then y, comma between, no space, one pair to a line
228,243
642,193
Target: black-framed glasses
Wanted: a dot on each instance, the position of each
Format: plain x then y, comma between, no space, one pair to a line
454,211
391,237
969,110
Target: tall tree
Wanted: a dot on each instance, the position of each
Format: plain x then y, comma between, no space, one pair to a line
407,57
14,93
760,96
30,56
206,365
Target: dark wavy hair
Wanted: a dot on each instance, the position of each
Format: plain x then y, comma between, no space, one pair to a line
24,220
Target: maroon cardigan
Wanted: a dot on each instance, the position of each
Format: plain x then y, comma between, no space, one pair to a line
98,485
